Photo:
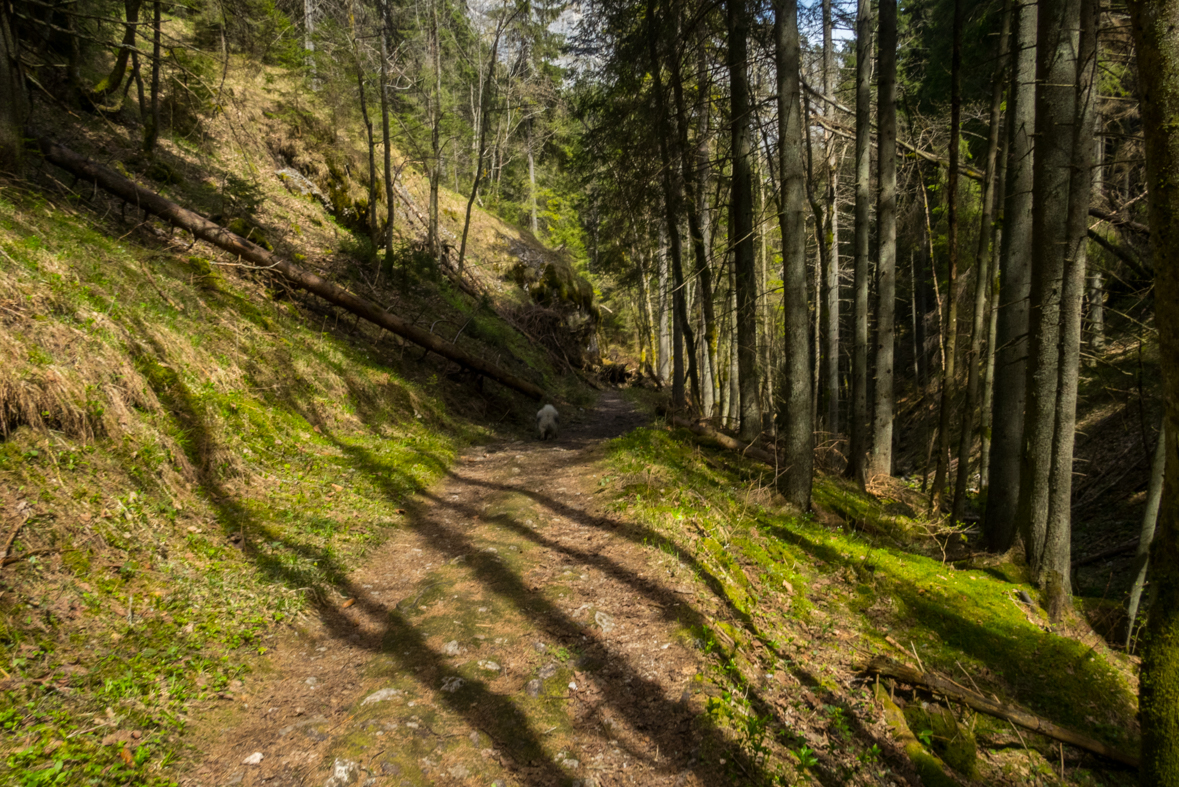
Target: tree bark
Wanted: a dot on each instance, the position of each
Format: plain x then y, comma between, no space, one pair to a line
1010,379
798,429
1056,71
950,332
1155,25
860,436
481,153
112,82
673,205
206,230
386,32
370,218
696,233
830,241
532,223
1154,496
433,236
986,422
152,133
880,455
745,267
1058,535
14,104
982,276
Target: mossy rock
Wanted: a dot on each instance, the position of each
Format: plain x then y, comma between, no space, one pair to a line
210,277
162,172
250,232
952,742
559,283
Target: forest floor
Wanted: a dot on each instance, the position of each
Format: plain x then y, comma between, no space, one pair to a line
510,633
594,611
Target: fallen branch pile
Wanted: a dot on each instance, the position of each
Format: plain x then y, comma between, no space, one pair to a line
882,665
724,441
206,230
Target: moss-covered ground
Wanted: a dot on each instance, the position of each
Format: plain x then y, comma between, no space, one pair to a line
177,466
799,604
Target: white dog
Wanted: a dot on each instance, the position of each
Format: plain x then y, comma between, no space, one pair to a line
547,421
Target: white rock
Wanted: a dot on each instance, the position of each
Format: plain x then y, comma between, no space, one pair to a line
253,759
344,773
380,696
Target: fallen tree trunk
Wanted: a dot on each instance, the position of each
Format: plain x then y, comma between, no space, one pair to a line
882,665
724,441
1120,549
202,228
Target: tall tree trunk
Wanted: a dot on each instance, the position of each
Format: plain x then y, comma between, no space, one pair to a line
664,316
696,232
880,454
797,428
386,32
14,103
1155,25
370,217
673,206
152,133
1095,319
112,82
982,274
745,267
1058,537
1096,316
532,223
950,332
1154,496
830,241
860,437
986,416
703,168
1056,70
485,113
1015,266
734,410
917,318
434,238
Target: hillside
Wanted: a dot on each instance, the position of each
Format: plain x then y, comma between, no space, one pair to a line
178,429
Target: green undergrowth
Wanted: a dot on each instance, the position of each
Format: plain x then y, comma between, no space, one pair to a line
189,463
815,597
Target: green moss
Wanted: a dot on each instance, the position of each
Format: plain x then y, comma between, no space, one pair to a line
940,732
249,231
929,767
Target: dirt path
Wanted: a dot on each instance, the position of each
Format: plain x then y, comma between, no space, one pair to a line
514,632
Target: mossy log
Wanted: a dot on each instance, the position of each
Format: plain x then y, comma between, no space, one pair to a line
882,665
202,228
931,769
724,441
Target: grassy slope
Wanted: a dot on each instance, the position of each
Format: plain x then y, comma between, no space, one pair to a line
798,604
191,454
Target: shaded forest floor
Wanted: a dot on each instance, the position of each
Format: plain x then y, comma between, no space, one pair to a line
622,606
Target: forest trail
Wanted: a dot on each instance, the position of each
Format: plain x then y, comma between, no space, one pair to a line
512,632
